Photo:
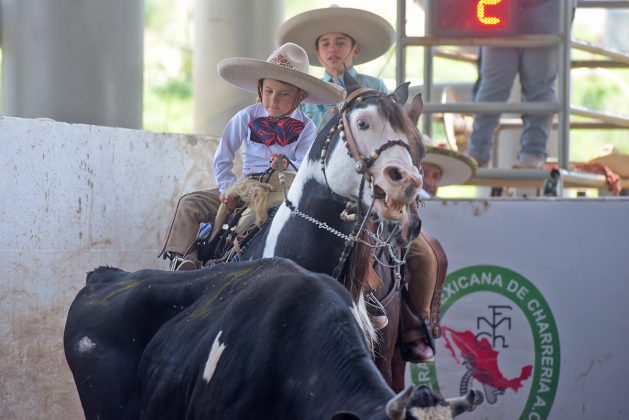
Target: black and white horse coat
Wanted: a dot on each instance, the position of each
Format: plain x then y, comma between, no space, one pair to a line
323,194
256,340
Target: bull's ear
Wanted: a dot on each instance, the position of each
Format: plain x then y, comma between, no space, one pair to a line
345,415
401,93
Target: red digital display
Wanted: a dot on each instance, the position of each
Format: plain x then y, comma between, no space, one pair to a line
473,18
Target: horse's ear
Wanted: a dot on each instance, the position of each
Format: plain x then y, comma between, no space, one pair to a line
417,106
401,93
351,84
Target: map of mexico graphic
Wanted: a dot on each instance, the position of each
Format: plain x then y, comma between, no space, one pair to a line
531,312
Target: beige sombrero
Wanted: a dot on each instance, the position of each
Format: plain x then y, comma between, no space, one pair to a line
457,168
288,64
615,160
373,33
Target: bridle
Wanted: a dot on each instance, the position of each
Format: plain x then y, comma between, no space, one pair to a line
353,211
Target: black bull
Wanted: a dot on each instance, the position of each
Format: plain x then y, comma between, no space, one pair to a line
139,345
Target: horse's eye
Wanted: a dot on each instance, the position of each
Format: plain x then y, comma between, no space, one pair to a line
362,124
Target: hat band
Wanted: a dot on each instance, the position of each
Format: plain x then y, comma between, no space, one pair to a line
281,60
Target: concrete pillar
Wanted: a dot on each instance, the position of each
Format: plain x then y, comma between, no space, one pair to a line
73,61
244,28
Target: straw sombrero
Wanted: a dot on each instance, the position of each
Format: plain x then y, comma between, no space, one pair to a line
457,168
612,158
373,33
288,64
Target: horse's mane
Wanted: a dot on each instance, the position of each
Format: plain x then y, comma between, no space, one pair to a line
357,268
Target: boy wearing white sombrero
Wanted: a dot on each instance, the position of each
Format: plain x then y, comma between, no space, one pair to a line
272,126
337,38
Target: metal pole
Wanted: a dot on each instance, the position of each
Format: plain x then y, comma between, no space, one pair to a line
428,57
77,62
243,28
563,131
400,52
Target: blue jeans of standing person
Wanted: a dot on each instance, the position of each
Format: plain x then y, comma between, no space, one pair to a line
537,68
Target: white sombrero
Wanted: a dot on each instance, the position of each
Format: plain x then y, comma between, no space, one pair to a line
612,158
457,168
373,33
288,64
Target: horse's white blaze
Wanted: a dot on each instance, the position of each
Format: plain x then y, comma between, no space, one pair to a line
379,132
340,166
439,412
85,345
215,354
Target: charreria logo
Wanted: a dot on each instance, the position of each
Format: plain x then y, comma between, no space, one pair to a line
499,336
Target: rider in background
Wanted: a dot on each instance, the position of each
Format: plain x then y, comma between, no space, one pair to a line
337,38
266,129
442,166
426,259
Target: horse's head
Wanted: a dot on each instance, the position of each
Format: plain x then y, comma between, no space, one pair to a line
374,143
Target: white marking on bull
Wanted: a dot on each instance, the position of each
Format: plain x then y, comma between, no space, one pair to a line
439,412
86,345
215,354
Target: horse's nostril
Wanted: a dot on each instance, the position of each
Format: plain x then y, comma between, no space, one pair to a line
394,173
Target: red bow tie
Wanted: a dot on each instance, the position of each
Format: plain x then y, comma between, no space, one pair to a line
269,130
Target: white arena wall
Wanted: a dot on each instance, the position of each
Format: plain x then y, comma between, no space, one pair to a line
74,197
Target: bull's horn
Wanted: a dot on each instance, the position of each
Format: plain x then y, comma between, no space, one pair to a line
467,402
396,407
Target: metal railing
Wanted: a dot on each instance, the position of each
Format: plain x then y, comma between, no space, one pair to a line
562,40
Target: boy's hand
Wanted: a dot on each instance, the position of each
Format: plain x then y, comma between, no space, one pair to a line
275,161
230,202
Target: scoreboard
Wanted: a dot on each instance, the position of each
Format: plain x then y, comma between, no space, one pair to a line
470,18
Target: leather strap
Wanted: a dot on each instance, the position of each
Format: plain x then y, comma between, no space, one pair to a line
349,137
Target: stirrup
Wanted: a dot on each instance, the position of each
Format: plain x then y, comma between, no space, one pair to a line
176,261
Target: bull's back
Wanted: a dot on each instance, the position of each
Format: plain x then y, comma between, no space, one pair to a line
167,322
237,353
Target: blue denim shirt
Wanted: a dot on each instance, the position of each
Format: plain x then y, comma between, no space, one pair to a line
317,113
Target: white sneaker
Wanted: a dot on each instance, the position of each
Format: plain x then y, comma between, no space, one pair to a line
530,162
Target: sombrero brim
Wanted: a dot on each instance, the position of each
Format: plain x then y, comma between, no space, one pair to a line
373,33
245,73
618,163
457,168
